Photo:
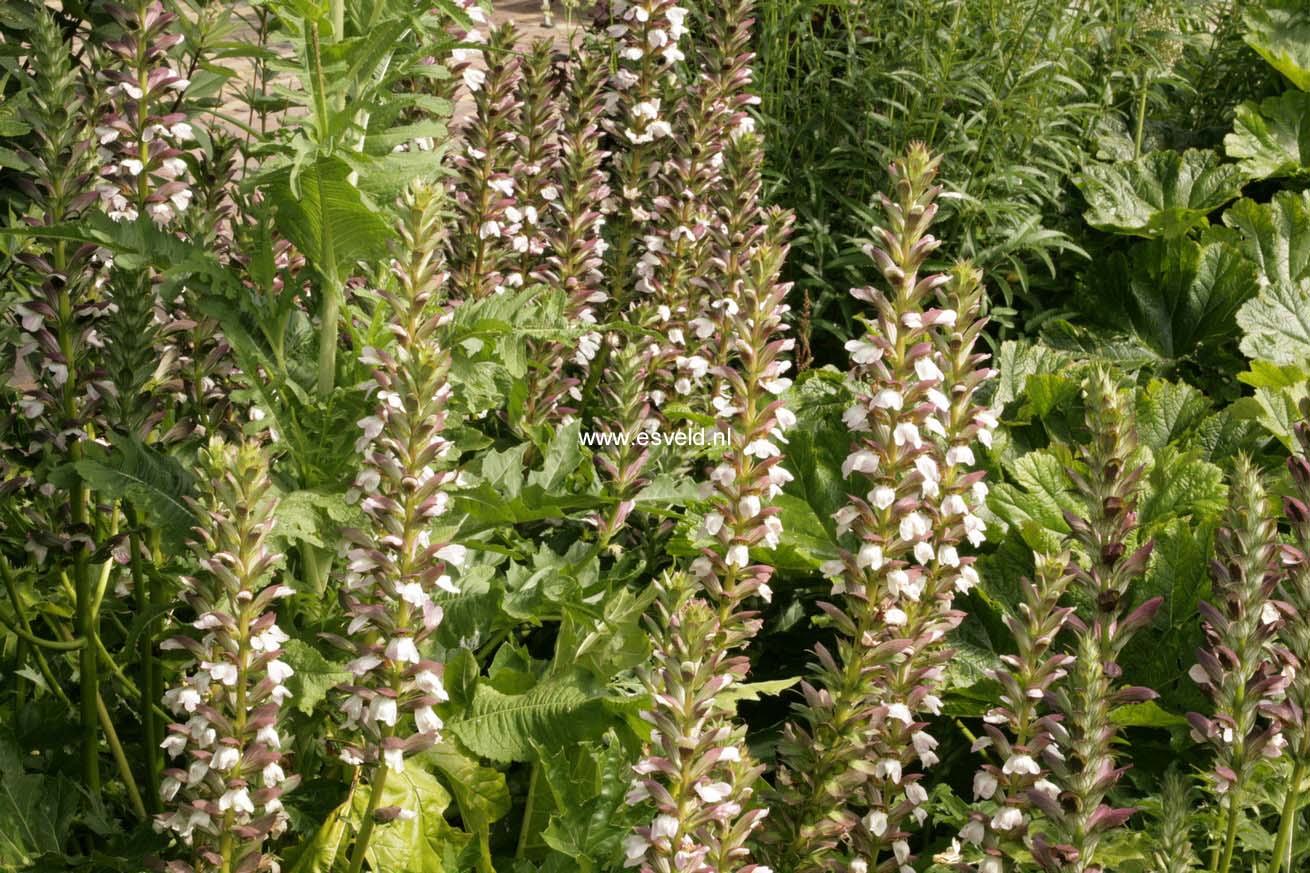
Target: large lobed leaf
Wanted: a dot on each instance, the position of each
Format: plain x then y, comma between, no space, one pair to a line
1279,30
1276,236
1162,193
1271,139
558,711
1180,295
36,812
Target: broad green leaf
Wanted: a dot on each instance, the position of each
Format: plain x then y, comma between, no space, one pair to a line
1276,403
1279,30
1276,324
1147,714
1162,193
1168,411
1271,140
325,217
36,812
1179,295
1276,235
1181,485
425,843
753,691
314,674
480,792
320,853
154,483
1017,361
558,711
805,543
589,817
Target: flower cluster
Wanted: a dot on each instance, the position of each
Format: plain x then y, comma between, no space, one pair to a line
1293,711
143,135
490,238
1239,669
914,375
1015,730
395,570
225,791
1081,755
696,772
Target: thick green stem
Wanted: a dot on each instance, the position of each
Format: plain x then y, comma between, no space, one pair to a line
89,667
146,652
120,759
1288,823
1230,835
376,786
327,332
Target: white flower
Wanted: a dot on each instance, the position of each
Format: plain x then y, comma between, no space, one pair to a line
395,759
984,785
664,827
1007,818
876,822
869,558
888,398
927,371
907,433
1020,763
225,758
428,721
973,832
863,461
634,849
862,352
383,709
713,792
882,497
236,799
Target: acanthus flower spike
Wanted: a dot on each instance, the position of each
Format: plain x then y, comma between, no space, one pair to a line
915,493
1016,736
1293,604
396,571
1240,669
225,787
1081,755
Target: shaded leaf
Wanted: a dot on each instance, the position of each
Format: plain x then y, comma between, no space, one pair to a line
1279,30
1271,139
1162,193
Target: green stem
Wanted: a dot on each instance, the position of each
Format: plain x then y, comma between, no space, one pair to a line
146,652
120,759
1230,835
327,332
526,827
1290,806
376,786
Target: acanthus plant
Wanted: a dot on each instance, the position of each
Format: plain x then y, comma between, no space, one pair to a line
847,787
1293,712
1241,669
224,792
395,569
1015,731
1081,757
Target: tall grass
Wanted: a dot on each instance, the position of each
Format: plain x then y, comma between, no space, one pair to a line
1013,93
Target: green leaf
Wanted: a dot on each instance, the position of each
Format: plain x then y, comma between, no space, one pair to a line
1179,296
480,792
1181,485
325,217
425,843
589,818
36,812
1017,361
753,691
1276,324
1271,140
558,711
154,483
1279,30
1168,411
1162,193
1276,403
319,854
314,674
1276,236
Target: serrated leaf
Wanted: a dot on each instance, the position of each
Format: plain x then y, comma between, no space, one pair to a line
1168,411
753,691
1276,324
425,843
314,674
1271,139
1162,193
154,483
589,818
1181,485
1279,30
1179,296
323,214
557,712
36,812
